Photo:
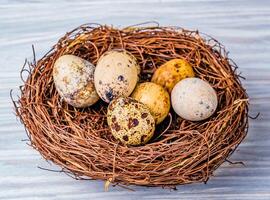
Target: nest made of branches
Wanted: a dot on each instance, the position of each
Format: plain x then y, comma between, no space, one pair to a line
181,151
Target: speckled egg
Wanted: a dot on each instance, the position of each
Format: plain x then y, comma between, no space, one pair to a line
130,121
155,97
74,80
116,75
171,72
194,99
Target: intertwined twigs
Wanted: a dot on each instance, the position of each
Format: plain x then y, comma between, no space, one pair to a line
79,140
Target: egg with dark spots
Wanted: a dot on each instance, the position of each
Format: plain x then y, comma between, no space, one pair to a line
117,73
74,80
155,97
130,121
194,99
171,72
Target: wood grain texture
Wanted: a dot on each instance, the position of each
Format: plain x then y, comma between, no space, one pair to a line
242,26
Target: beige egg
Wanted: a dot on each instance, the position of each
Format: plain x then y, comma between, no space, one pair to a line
194,99
116,75
74,80
130,121
155,97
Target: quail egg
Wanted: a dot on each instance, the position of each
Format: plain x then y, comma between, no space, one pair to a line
74,80
171,72
194,99
130,121
155,97
116,75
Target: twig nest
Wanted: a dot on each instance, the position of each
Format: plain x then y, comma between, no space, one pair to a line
81,142
194,99
130,121
155,97
116,75
74,80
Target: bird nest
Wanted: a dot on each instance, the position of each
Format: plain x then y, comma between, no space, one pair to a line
180,152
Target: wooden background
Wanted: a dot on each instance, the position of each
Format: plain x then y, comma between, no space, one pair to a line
242,26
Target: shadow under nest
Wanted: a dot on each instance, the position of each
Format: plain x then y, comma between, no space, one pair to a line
180,152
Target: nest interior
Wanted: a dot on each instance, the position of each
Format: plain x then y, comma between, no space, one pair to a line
181,152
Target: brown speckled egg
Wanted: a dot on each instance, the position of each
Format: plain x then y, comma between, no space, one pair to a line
155,97
74,80
130,121
194,99
171,72
116,75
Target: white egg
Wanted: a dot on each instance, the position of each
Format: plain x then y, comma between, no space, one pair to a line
74,80
116,75
194,99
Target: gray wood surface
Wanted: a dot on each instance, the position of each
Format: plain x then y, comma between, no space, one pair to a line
242,26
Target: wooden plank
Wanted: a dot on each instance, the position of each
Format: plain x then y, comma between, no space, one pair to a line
242,26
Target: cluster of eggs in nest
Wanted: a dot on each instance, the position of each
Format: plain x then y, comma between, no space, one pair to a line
134,108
